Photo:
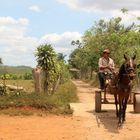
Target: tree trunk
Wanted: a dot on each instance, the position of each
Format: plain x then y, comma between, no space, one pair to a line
37,80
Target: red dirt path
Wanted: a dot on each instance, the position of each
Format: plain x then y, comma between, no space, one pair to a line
85,124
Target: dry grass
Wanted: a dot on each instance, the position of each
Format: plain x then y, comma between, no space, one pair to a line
28,85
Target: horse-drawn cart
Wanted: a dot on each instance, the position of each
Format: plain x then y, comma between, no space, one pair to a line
120,86
99,100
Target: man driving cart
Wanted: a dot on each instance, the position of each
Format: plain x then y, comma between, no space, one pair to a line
106,66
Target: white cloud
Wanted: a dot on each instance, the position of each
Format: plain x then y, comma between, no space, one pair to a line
107,8
93,5
127,18
61,42
16,47
35,8
23,21
4,21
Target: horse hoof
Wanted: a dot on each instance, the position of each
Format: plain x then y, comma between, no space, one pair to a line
119,125
123,120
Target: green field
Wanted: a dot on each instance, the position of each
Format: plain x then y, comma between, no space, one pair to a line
19,70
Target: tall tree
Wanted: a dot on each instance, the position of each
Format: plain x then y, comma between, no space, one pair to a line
112,34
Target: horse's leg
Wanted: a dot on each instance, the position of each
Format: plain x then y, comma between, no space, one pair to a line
120,111
124,107
116,104
130,99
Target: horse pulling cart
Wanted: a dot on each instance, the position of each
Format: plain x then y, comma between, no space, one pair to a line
120,86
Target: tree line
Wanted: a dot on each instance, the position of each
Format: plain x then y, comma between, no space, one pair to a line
113,34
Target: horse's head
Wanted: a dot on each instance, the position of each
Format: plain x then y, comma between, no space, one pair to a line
130,67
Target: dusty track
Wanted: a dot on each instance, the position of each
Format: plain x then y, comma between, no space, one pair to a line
103,126
85,124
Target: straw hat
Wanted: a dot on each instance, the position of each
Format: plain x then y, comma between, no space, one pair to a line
106,51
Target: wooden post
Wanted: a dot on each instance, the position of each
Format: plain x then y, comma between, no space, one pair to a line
37,79
98,101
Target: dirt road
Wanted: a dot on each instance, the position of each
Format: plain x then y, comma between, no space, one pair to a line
85,124
103,126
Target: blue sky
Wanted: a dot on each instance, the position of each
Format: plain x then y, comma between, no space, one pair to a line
25,24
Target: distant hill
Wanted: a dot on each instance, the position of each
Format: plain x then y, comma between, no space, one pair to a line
19,70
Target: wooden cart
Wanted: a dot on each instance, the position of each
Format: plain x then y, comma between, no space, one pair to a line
99,101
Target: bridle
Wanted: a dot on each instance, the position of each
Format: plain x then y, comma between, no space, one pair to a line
130,69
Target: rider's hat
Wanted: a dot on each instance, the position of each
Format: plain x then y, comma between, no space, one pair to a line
106,51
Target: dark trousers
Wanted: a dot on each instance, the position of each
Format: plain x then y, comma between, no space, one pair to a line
101,79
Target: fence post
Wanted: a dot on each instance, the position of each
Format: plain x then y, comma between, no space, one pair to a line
98,100
37,79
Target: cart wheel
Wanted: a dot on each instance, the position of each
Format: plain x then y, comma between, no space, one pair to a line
98,101
136,103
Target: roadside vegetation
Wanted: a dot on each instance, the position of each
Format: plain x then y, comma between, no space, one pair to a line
57,91
31,103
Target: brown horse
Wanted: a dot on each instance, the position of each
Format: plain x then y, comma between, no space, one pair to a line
122,85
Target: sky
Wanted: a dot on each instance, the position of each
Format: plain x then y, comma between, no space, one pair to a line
26,24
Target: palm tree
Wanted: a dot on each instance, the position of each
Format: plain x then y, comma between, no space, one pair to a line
61,56
46,60
124,10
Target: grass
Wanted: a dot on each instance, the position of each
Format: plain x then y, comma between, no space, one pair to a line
28,104
28,85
